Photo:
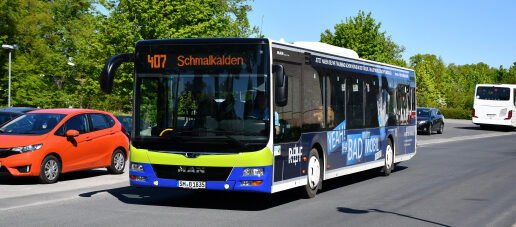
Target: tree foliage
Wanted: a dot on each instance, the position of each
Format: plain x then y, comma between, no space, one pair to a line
362,34
49,34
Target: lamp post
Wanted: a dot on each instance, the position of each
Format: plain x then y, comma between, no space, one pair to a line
82,83
10,48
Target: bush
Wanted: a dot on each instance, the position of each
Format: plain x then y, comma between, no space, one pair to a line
456,113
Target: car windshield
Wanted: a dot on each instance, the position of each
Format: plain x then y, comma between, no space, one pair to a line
423,113
4,117
494,93
32,124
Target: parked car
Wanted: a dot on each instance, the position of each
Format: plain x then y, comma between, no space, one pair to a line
127,122
9,113
47,143
429,120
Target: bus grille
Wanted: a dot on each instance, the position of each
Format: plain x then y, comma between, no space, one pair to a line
192,173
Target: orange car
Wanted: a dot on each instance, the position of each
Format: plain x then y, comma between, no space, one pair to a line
46,143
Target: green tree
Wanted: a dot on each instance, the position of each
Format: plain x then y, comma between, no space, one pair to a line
47,35
362,34
432,80
131,21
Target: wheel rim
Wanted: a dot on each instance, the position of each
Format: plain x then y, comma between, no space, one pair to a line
314,172
388,157
51,170
119,161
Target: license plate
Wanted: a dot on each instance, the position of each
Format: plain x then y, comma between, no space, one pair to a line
192,184
491,115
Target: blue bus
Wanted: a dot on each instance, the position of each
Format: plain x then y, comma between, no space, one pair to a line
252,114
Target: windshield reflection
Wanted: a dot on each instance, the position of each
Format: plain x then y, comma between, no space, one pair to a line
32,124
207,109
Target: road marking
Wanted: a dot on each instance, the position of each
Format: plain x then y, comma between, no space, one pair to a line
38,203
463,138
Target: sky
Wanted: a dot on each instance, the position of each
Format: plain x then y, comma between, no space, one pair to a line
461,32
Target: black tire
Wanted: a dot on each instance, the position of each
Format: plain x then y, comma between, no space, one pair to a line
313,182
118,160
389,159
50,170
429,131
441,129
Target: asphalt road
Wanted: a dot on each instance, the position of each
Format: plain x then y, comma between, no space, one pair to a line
465,177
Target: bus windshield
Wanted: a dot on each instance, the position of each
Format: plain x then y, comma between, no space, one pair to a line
196,105
494,93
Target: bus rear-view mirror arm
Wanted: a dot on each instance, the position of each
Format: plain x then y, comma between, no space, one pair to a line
108,72
281,87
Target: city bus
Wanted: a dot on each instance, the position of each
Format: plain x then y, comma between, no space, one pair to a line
256,115
494,105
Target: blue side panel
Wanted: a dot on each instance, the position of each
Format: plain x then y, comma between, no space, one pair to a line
353,147
288,160
234,180
407,141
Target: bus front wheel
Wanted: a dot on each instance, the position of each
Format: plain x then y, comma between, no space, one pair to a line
313,175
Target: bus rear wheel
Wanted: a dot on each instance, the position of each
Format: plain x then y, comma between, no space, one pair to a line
389,159
313,175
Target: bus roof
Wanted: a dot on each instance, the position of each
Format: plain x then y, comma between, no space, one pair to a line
327,49
497,85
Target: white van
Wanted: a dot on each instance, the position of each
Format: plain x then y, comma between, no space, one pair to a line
495,104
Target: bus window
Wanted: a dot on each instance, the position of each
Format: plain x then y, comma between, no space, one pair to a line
371,100
313,111
514,97
336,99
355,103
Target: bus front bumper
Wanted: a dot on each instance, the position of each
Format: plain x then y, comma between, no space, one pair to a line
236,181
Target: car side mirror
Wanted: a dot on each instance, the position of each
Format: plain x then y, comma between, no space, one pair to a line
72,133
281,87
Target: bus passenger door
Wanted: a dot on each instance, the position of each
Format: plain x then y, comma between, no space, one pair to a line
287,145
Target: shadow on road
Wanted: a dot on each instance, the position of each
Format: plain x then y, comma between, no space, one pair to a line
355,211
224,200
347,180
7,179
493,128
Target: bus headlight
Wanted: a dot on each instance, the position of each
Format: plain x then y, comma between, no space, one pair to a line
136,167
253,172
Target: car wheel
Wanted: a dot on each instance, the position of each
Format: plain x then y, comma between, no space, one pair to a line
389,159
50,170
429,130
314,175
117,162
441,129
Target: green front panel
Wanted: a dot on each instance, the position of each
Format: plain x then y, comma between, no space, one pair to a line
258,158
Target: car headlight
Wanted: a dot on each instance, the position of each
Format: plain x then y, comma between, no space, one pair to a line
27,148
253,172
421,122
136,167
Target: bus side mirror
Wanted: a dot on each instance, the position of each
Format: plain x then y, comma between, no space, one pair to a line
108,72
281,87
